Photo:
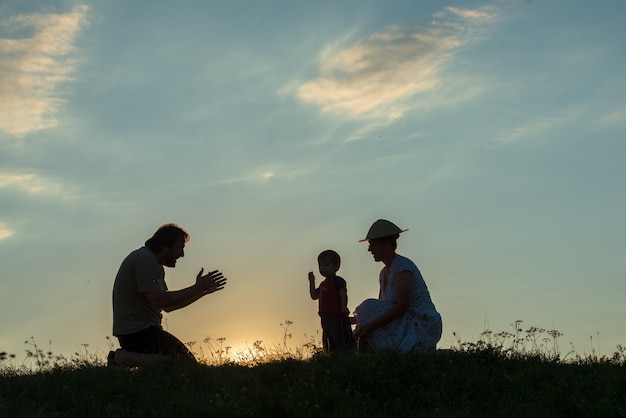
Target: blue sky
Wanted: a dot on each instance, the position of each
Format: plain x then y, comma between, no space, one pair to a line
493,130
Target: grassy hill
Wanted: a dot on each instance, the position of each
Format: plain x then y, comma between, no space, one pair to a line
475,380
519,374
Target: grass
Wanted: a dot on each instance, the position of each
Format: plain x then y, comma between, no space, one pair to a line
518,374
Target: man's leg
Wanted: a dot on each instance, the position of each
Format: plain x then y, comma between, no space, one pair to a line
149,346
128,358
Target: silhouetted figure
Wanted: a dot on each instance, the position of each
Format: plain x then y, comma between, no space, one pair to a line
332,294
140,294
403,318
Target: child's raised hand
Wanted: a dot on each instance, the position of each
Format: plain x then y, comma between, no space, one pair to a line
311,276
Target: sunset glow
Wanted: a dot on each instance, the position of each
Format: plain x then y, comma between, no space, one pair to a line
271,131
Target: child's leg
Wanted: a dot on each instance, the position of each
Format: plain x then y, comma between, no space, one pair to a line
325,342
335,331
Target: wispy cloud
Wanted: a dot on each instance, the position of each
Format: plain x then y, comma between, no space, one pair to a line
5,232
33,68
537,126
30,183
525,130
265,174
617,117
481,15
378,75
367,128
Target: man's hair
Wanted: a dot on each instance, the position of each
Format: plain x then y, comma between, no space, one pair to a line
166,236
330,255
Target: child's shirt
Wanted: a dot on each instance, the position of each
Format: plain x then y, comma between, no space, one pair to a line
330,299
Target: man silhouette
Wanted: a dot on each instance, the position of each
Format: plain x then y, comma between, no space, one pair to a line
140,294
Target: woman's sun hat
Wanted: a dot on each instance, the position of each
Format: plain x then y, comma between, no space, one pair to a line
382,228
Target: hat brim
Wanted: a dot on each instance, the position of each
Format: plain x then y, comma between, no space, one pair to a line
382,236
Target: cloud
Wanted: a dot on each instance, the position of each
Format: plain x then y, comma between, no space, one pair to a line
5,232
614,118
33,68
264,175
535,127
379,75
525,130
30,183
480,15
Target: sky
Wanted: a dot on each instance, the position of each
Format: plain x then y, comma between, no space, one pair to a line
494,130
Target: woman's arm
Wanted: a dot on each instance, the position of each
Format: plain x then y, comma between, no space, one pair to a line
403,282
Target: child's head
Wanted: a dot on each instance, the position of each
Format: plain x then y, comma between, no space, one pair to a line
328,262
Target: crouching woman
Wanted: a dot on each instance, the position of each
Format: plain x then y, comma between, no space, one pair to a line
403,318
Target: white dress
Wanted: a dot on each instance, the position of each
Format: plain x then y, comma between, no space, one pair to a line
418,329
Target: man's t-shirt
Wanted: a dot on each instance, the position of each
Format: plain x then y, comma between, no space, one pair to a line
140,272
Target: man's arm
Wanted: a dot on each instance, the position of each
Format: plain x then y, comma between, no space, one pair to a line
176,299
174,302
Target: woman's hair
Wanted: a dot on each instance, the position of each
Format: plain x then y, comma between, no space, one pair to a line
330,255
393,240
166,236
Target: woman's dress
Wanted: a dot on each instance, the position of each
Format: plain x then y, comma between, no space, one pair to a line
418,329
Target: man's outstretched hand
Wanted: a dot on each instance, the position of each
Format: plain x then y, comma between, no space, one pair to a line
212,281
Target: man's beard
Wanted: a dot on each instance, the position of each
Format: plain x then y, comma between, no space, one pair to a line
170,263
